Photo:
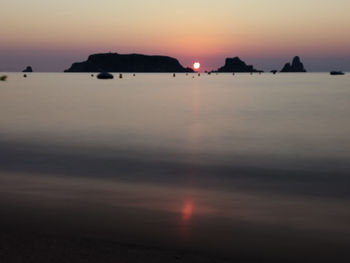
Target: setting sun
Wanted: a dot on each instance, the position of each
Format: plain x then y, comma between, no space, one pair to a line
196,65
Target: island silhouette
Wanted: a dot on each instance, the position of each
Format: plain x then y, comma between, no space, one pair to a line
114,62
236,65
28,69
296,66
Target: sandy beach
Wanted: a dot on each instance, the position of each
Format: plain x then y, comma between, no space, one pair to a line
73,220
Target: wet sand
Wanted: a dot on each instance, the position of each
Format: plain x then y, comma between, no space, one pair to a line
52,219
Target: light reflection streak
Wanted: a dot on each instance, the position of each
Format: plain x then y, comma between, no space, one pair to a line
188,207
187,211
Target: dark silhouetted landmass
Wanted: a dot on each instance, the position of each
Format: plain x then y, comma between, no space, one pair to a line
114,62
296,66
337,73
28,69
105,75
236,65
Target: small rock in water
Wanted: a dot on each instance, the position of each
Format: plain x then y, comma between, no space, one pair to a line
3,78
134,75
120,76
28,69
174,75
105,75
92,75
25,75
335,73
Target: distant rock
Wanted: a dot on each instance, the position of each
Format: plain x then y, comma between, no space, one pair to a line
105,75
296,66
28,69
236,65
274,71
114,62
337,73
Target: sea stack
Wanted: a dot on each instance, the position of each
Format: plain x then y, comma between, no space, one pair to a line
236,65
28,69
296,66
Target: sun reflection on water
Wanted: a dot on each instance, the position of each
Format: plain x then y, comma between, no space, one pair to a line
187,211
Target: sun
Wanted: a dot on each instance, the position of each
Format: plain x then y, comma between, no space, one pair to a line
196,65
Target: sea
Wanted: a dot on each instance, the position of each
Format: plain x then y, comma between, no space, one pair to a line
254,168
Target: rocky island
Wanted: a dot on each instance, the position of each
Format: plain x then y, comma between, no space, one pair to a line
28,69
114,62
296,66
236,65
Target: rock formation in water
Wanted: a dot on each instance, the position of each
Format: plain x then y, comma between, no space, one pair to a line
337,73
28,69
114,62
105,75
296,66
236,65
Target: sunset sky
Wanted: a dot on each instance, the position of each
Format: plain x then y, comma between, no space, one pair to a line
51,35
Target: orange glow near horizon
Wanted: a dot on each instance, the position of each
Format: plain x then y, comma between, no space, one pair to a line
207,32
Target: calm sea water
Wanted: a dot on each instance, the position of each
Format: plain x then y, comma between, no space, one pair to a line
237,164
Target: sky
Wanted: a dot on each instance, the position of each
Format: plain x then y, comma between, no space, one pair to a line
51,35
